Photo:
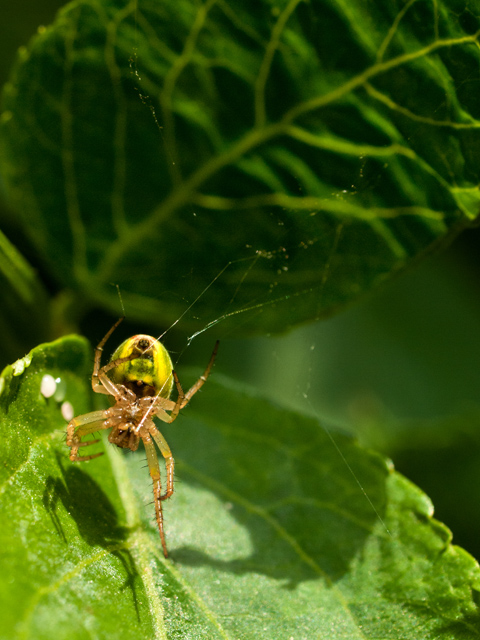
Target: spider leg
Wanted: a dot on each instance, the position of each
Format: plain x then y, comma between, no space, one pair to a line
100,382
81,426
154,469
103,383
182,397
179,403
203,378
169,461
107,386
96,386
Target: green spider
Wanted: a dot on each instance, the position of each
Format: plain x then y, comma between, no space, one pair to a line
140,379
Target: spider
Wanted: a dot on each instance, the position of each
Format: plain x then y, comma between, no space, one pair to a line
140,379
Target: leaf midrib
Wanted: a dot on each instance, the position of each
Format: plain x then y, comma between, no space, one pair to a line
142,549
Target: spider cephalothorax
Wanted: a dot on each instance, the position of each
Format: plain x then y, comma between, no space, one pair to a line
140,379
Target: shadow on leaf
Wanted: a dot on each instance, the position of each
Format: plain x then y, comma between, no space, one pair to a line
308,499
88,505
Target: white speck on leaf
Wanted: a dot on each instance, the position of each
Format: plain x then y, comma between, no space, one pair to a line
48,386
67,411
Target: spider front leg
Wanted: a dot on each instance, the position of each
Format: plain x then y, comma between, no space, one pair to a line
180,402
96,386
201,381
154,469
184,398
81,426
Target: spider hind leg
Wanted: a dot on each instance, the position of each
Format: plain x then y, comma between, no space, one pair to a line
82,426
154,469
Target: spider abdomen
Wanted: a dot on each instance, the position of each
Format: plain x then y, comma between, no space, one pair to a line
149,374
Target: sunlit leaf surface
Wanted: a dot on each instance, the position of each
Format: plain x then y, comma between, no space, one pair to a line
275,530
309,149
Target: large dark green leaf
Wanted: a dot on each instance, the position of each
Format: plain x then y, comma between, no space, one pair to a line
314,148
24,313
275,530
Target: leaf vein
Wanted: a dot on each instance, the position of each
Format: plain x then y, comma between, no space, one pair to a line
262,513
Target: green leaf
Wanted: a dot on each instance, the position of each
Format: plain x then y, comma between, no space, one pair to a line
66,568
443,456
22,298
277,529
309,149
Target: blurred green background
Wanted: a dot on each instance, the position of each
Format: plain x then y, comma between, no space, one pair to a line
399,369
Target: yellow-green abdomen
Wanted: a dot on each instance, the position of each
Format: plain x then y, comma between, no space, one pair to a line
150,373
